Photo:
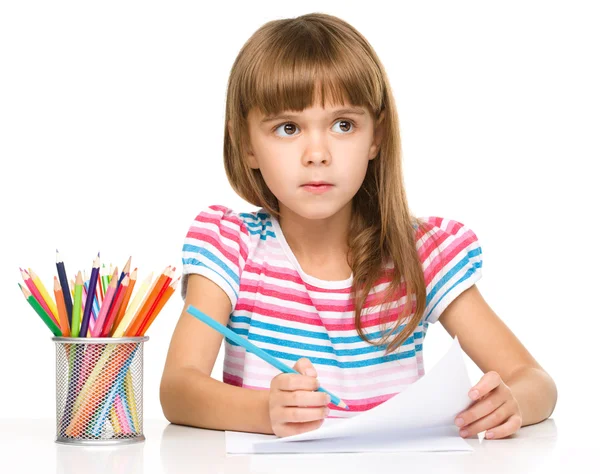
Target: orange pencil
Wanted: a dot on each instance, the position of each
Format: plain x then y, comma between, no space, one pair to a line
62,309
163,299
139,317
123,307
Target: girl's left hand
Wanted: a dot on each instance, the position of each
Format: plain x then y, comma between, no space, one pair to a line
496,409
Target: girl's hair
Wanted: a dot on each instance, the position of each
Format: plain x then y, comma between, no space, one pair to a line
283,64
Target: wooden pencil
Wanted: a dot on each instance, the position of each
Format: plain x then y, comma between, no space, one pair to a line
35,292
136,303
61,308
40,311
89,300
64,285
123,307
44,293
108,298
163,299
114,307
141,314
77,299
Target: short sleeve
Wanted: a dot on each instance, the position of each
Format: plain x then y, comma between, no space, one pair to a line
216,246
451,258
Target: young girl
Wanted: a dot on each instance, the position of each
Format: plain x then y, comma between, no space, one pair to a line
332,274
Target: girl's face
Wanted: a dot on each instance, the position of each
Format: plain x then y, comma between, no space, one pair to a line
332,144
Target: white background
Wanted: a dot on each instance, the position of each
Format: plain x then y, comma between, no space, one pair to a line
111,138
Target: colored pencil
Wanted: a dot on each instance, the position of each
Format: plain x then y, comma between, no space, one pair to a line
154,312
157,288
44,293
225,331
61,308
114,307
144,320
37,295
108,297
89,301
132,309
40,311
124,272
64,284
123,307
77,301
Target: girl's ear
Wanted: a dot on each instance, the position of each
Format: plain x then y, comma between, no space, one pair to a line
377,136
249,158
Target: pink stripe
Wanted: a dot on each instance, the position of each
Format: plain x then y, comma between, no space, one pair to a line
207,236
280,313
253,363
232,380
284,293
332,386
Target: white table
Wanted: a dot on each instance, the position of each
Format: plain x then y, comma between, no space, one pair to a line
28,446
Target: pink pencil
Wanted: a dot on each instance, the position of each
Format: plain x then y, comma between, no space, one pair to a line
110,292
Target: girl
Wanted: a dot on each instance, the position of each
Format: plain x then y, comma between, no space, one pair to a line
333,273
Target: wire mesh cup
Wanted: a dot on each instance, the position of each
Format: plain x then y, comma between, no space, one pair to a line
99,385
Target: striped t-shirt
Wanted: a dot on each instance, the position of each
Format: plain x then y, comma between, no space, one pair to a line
291,314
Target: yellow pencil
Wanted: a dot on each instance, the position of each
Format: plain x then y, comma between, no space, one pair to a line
137,300
42,289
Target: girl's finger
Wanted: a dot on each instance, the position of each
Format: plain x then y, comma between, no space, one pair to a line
495,418
480,409
488,382
509,427
302,415
291,382
302,398
290,429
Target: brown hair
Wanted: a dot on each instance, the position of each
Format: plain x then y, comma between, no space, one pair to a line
281,66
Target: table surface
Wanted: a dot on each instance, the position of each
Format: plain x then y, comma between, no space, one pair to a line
29,446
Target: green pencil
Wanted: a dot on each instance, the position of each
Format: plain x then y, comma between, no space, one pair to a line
40,311
76,319
104,279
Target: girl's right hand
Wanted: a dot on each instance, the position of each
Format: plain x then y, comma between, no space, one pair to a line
294,406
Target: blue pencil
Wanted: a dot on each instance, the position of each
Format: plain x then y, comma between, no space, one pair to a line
225,331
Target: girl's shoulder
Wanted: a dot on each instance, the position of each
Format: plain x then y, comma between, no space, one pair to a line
451,256
218,244
442,227
230,222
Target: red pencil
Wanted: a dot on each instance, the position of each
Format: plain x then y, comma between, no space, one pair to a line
114,307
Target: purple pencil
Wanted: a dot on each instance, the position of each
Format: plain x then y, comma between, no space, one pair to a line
90,297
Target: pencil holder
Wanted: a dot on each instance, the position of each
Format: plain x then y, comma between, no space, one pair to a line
99,384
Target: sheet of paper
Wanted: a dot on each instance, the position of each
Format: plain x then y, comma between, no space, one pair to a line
420,418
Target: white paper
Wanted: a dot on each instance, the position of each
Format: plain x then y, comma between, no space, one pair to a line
420,418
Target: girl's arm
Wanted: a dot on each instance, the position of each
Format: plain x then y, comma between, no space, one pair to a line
511,375
188,395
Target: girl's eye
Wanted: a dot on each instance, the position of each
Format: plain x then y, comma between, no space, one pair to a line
290,127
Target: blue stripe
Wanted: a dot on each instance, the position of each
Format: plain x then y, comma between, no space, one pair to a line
318,348
459,266
262,236
211,257
313,334
337,363
345,365
467,275
193,261
252,222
